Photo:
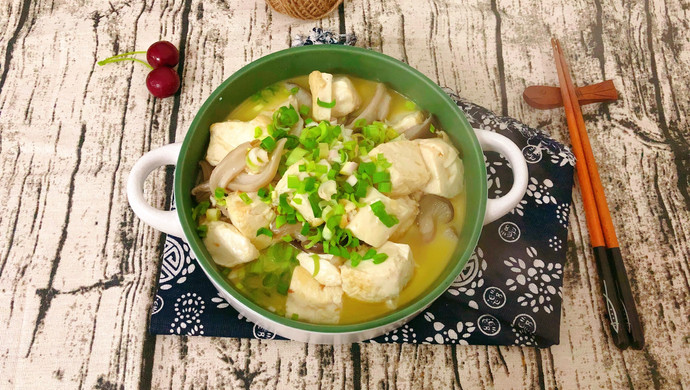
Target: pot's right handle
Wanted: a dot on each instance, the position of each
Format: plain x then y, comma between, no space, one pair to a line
164,220
494,142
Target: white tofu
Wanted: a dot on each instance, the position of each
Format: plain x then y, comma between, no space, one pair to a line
408,171
304,207
366,226
226,136
227,246
321,85
408,121
329,273
312,301
381,282
248,218
347,99
444,165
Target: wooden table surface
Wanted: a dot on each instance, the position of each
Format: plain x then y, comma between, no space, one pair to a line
78,270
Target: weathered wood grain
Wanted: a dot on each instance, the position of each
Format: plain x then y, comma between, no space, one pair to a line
77,269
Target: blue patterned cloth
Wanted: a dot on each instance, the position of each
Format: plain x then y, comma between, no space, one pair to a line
509,293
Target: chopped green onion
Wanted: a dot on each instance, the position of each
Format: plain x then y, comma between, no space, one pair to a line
262,193
302,168
257,132
317,264
332,174
245,198
264,231
309,184
295,155
294,90
305,229
410,105
219,193
304,110
369,254
367,167
295,316
325,104
379,177
202,230
268,144
293,182
323,150
280,221
286,238
314,203
213,214
385,187
200,209
379,210
361,189
380,258
355,258
360,123
432,128
297,200
321,169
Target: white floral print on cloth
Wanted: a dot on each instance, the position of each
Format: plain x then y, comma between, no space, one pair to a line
509,292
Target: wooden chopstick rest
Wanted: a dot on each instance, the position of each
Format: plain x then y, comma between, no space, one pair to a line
543,97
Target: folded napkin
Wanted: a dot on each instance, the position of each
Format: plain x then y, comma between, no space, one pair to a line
509,293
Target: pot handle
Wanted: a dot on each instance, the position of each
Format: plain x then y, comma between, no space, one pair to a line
494,142
165,221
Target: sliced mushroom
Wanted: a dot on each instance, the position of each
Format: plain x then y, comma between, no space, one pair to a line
247,182
433,210
201,192
419,131
206,169
378,106
303,97
232,164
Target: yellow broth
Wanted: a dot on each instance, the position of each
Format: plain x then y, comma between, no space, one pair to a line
431,259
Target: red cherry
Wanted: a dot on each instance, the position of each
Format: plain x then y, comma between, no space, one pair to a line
162,53
163,82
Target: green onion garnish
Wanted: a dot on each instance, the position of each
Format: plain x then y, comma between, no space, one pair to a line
200,209
385,187
268,144
380,258
379,210
257,132
286,238
317,264
245,198
432,128
410,105
325,104
314,203
202,230
304,110
293,182
294,90
264,231
379,177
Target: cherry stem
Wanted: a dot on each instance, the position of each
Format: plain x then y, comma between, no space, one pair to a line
119,58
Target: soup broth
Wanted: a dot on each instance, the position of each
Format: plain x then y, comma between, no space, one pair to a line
430,258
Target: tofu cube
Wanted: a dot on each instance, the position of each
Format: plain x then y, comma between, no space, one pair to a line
329,273
366,226
227,246
347,99
226,136
248,218
408,121
321,85
408,171
445,167
312,301
381,282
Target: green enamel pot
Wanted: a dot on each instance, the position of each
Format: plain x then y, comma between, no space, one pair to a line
357,62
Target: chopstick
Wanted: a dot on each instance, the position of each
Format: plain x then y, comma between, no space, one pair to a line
623,319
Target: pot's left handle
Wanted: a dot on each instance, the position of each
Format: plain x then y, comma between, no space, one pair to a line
164,220
494,142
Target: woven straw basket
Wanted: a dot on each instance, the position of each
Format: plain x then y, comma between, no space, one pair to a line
305,9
